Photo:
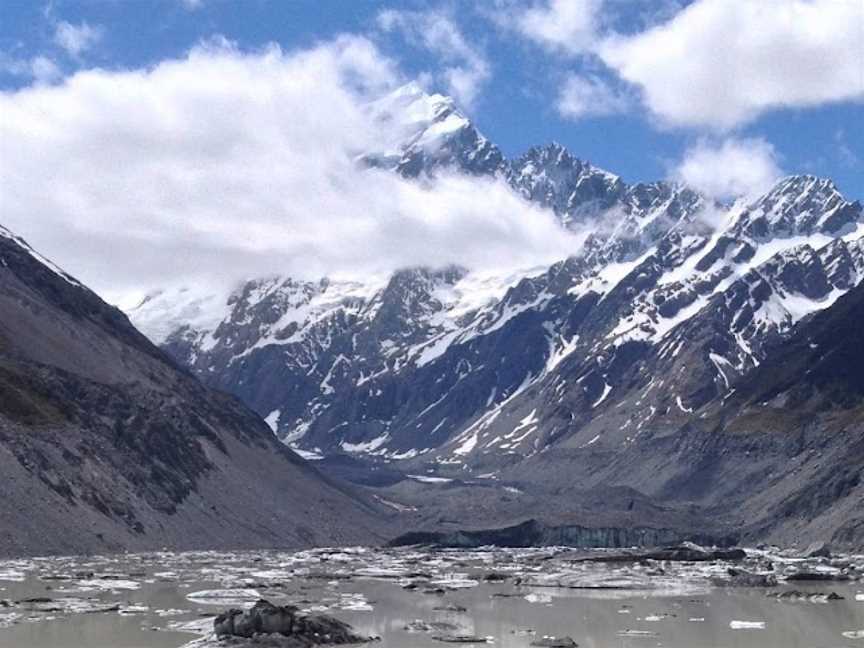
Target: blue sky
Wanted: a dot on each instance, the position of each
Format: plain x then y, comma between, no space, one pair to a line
515,105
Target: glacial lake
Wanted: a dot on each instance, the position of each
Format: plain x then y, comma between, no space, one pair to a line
408,597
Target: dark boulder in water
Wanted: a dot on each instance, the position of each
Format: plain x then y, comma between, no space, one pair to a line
267,620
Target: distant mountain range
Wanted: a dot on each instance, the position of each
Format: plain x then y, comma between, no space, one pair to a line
695,352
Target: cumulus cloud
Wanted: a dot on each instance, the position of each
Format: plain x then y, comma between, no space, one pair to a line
721,63
732,168
76,39
465,71
587,96
564,26
224,165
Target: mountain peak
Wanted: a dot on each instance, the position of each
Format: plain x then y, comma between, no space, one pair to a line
412,107
552,153
805,184
426,132
800,205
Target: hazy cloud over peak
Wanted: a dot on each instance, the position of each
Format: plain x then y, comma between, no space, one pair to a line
228,164
732,168
464,68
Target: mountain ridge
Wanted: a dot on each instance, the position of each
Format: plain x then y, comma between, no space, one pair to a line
617,350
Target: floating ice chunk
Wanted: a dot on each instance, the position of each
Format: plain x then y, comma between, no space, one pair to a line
636,633
165,575
380,572
656,617
354,603
8,620
107,584
455,581
747,625
126,610
12,575
225,596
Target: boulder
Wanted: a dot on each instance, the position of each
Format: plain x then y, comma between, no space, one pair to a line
266,619
744,578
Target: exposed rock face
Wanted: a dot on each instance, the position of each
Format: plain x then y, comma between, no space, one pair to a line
105,444
300,630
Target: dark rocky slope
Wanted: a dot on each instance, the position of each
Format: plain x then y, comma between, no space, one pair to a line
780,459
807,400
105,445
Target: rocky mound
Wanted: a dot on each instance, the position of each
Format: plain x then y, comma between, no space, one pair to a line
283,625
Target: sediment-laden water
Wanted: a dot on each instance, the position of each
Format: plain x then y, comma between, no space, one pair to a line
420,598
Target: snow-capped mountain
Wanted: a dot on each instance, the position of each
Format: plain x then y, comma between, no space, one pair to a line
673,300
429,132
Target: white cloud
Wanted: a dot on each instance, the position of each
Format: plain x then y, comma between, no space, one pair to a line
465,71
76,39
226,164
192,5
40,68
849,157
44,70
585,96
721,63
730,169
567,26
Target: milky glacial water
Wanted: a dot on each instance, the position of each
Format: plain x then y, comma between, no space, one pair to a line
407,597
